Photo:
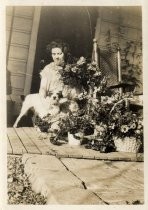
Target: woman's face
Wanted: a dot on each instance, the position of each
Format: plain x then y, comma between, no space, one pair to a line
58,56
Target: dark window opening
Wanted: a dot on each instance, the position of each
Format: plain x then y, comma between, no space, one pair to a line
74,25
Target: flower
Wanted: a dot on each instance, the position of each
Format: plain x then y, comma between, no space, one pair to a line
133,125
127,123
67,68
100,130
112,126
140,124
81,61
124,128
138,132
73,107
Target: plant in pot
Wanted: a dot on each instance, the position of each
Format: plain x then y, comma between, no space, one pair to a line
78,125
126,128
98,111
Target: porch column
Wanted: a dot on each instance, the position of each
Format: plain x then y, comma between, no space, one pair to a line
32,50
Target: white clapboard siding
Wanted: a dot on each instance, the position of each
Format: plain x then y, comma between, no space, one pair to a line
21,38
22,24
17,80
19,28
18,52
17,66
27,11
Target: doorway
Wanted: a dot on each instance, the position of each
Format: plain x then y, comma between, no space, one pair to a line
74,25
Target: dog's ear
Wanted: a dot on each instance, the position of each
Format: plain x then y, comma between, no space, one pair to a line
49,93
60,94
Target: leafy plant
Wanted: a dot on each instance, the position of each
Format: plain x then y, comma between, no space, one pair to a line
81,74
125,123
98,112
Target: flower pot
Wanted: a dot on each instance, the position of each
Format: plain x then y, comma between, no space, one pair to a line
74,139
127,144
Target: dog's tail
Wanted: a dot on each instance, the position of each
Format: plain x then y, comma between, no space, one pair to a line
22,97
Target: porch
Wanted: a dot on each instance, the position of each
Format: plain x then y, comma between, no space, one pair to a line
75,175
27,140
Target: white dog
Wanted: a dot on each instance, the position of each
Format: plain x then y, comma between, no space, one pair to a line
42,106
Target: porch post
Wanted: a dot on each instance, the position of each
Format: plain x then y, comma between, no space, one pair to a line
32,50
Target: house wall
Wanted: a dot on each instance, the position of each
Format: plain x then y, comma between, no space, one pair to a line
18,32
21,35
122,25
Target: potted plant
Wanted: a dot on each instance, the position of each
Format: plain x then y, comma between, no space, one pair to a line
126,128
77,125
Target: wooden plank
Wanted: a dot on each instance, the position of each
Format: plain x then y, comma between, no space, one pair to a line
20,38
18,52
24,10
9,147
43,148
17,145
23,24
34,138
17,66
28,144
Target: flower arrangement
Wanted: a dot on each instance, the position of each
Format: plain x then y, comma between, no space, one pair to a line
126,125
85,75
78,125
96,112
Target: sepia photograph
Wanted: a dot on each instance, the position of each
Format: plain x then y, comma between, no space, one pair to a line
74,105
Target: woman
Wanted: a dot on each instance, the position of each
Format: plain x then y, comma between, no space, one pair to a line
50,76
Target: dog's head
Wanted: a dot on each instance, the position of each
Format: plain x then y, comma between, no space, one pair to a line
55,97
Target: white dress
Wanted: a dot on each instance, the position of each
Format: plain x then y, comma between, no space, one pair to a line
51,82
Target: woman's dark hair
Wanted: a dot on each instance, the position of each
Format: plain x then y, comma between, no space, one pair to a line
58,43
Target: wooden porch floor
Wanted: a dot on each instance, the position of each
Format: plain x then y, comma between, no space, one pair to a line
25,140
28,140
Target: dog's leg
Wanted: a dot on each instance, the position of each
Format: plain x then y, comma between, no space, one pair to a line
24,110
17,120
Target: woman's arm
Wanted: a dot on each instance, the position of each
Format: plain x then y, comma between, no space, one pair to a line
43,84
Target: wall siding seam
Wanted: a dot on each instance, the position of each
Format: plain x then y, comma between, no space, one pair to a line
24,17
18,30
21,74
19,45
15,88
17,60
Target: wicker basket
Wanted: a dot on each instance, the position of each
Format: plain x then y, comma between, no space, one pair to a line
128,144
